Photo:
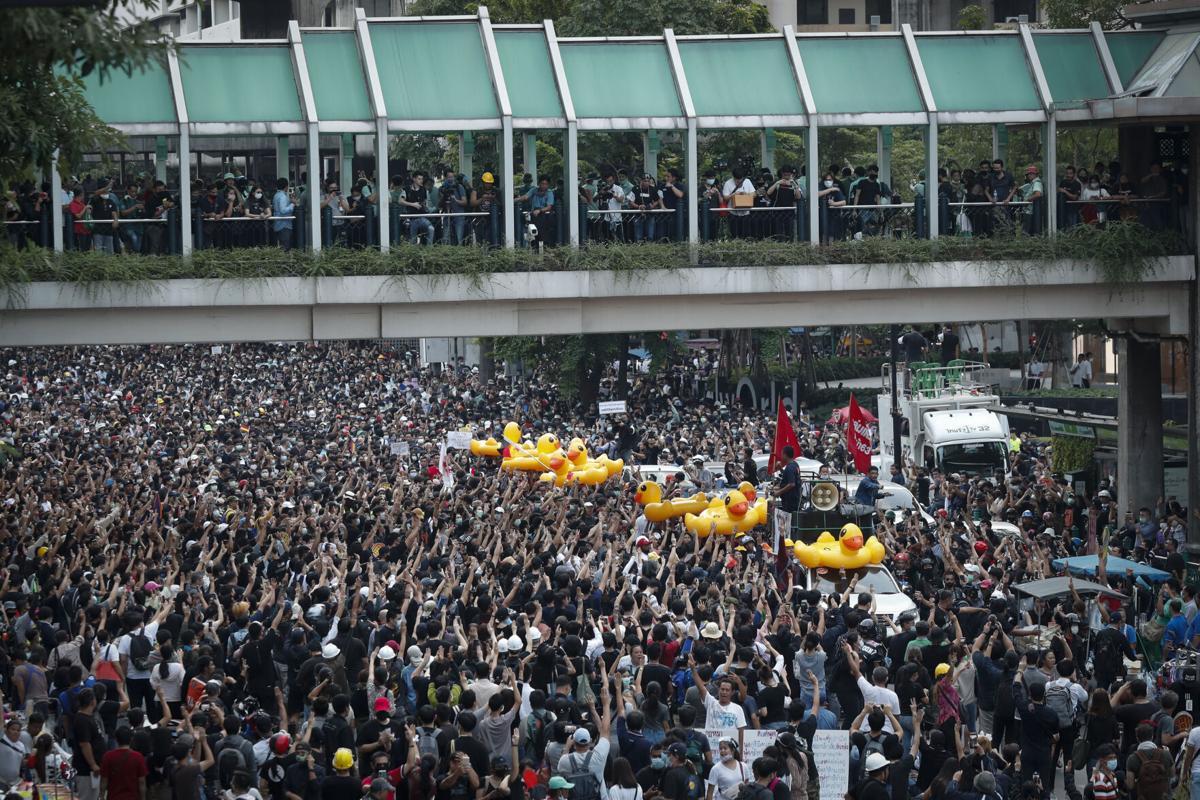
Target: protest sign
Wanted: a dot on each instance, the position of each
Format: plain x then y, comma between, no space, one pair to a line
612,407
831,753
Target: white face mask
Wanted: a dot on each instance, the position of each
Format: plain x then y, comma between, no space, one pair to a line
710,181
828,184
1074,629
258,195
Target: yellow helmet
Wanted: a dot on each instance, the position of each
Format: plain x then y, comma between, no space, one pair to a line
343,758
487,177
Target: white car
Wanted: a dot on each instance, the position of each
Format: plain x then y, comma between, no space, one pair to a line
890,600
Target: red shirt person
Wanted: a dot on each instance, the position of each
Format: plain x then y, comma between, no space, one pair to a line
123,770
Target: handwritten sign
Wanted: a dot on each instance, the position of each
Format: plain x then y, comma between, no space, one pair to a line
715,735
831,752
399,448
612,407
460,440
217,349
755,742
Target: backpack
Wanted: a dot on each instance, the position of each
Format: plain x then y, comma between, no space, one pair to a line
754,791
535,732
427,744
586,787
330,734
229,761
873,746
1005,705
695,786
1060,701
1154,775
695,753
139,650
1106,659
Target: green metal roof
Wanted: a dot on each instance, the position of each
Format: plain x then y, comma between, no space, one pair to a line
868,75
1130,51
142,96
1072,66
528,73
620,79
433,70
716,73
335,72
239,83
978,73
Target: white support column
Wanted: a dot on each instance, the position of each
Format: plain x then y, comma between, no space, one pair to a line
56,206
651,145
766,143
506,184
466,153
1050,183
931,171
313,195
883,153
813,181
161,152
693,181
282,155
383,204
1106,60
185,191
346,162
571,181
529,152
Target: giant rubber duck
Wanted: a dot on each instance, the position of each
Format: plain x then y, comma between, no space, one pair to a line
649,495
487,448
547,456
848,551
733,514
589,471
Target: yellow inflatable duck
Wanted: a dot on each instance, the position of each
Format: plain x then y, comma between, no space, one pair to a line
488,448
588,471
546,457
733,514
846,552
747,488
649,495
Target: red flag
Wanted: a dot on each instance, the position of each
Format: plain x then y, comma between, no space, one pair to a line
784,435
858,437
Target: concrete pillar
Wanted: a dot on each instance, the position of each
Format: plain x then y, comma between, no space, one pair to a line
650,147
56,206
528,155
505,184
1139,423
313,194
346,161
282,157
466,153
383,200
767,141
813,182
1050,180
160,158
185,189
931,180
571,183
883,153
1000,142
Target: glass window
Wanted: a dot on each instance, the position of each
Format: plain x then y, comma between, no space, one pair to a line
834,581
206,15
845,16
812,12
973,458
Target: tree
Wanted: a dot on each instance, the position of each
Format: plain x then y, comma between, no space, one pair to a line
617,17
972,18
1081,13
44,55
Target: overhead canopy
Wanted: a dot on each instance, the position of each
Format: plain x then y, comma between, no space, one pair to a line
1058,587
1088,565
716,75
441,74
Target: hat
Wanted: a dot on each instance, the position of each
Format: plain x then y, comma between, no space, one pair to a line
415,653
343,758
1026,513
559,782
711,630
582,736
1103,493
677,749
941,669
985,782
487,177
981,547
502,645
330,650
382,704
281,743
151,586
876,762
386,653
515,644
642,541
227,176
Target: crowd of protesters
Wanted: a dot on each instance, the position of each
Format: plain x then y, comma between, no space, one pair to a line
252,572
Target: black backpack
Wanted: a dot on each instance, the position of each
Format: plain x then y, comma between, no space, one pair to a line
140,649
586,787
1107,658
1006,707
229,761
330,735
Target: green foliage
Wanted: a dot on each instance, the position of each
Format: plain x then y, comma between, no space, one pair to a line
972,18
43,54
1124,252
9,453
1071,453
1066,391
1081,13
616,17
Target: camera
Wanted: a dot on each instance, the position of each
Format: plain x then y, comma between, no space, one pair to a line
531,230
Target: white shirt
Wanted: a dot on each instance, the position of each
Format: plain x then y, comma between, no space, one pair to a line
719,716
731,188
172,684
150,630
880,696
621,793
725,780
12,755
1193,741
596,766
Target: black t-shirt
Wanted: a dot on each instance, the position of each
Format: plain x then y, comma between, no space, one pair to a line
1130,715
274,772
1071,185
476,751
949,345
790,477
771,698
341,787
873,790
913,344
418,196
656,672
368,733
785,195
868,193
86,731
675,783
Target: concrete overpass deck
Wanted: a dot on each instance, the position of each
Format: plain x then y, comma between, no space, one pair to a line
537,303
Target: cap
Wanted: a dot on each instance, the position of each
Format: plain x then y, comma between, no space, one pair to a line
382,704
642,541
343,758
152,586
330,650
981,547
1026,513
386,653
227,176
1103,493
941,669
876,762
582,736
415,653
559,782
487,177
677,749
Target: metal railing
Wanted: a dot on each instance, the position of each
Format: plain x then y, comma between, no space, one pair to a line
1156,213
986,218
929,379
781,223
633,225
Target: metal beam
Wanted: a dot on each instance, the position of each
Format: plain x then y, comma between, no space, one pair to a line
571,182
813,181
798,71
500,87
560,75
185,154
1106,60
1035,67
56,205
693,145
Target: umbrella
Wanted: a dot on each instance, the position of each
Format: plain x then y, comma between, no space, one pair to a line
1087,565
1056,587
841,416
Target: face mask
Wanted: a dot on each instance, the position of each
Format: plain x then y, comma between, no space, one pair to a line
658,762
1111,763
479,513
258,195
710,181
828,184
104,196
1074,629
727,756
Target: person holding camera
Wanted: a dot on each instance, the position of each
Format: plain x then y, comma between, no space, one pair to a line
452,199
412,206
542,214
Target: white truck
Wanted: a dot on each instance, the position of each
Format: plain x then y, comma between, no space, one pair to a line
946,421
